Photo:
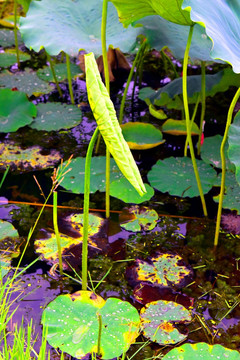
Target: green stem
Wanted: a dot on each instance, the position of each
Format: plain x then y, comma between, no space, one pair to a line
99,334
203,100
15,32
86,208
223,159
69,78
192,120
107,195
187,117
54,75
55,225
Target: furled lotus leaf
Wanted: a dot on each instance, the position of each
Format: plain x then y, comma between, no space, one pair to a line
200,351
7,38
159,319
124,191
70,26
9,245
178,127
56,116
176,176
73,324
234,145
210,152
141,136
9,57
60,71
26,159
26,81
15,111
138,218
231,199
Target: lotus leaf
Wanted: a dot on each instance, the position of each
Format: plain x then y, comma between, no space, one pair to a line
158,114
60,71
138,218
231,198
210,152
234,146
15,111
56,116
70,26
9,57
141,136
73,324
7,38
158,319
124,191
178,127
176,176
200,351
9,244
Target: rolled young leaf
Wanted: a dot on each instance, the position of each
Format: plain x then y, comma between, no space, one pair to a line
105,115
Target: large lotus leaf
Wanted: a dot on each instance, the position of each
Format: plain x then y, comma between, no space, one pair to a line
70,26
178,127
234,144
222,26
159,319
176,176
132,10
210,152
56,116
9,57
106,118
201,351
15,111
74,179
7,38
9,246
165,269
231,198
124,191
26,81
138,218
60,71
73,324
26,159
141,136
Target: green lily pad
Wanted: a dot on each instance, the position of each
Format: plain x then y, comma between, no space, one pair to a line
138,218
141,136
157,113
178,127
60,71
231,199
73,324
121,189
210,152
176,176
26,81
80,29
9,245
234,146
26,159
158,319
56,116
9,57
201,351
7,38
16,111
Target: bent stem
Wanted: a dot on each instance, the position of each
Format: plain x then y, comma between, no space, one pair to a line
223,160
188,123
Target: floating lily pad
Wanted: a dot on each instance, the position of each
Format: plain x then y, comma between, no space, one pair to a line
176,176
26,81
124,191
201,351
138,218
56,116
60,71
26,159
9,244
159,319
210,152
73,324
15,111
178,127
141,136
9,58
7,38
234,146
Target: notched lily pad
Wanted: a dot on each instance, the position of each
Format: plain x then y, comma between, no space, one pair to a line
159,319
178,127
138,218
60,71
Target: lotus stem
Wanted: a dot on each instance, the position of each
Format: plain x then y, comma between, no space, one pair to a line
15,32
192,120
203,100
223,160
55,225
69,78
99,334
54,75
187,117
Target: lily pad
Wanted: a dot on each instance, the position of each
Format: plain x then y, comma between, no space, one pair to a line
74,26
16,111
231,199
9,244
7,38
25,81
159,319
73,324
138,218
234,146
178,127
141,136
210,152
56,116
9,58
176,176
26,159
200,351
60,71
121,189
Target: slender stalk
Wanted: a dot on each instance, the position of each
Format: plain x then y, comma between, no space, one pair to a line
203,100
187,117
54,75
223,160
69,78
192,120
99,334
15,32
107,194
55,225
86,208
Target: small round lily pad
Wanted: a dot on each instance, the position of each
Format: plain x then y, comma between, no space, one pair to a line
60,71
138,218
124,191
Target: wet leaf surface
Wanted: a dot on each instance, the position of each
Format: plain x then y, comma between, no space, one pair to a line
138,218
124,191
7,38
60,71
9,58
